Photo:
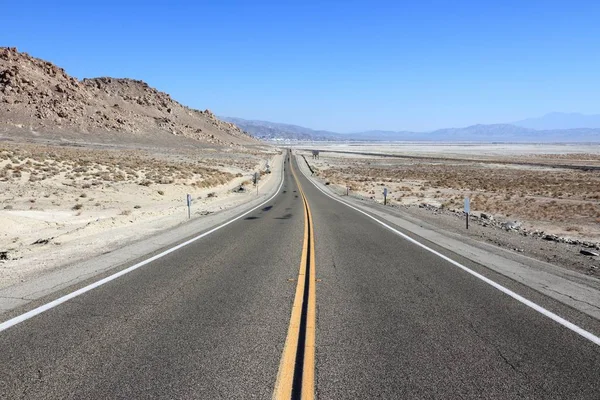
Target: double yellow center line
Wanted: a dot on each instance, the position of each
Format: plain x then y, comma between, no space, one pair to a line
296,376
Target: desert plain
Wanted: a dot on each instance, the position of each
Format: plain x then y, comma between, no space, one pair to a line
538,199
61,204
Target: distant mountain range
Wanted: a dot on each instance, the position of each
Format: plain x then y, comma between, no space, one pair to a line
271,130
556,120
560,127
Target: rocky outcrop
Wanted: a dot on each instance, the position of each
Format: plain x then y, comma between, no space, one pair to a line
41,96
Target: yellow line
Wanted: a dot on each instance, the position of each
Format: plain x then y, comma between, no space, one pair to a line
285,376
308,377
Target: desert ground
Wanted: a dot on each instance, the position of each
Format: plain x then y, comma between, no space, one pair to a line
547,192
88,166
60,204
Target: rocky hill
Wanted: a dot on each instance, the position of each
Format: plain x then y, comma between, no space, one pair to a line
37,96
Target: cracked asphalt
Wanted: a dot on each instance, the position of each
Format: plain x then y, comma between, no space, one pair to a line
209,321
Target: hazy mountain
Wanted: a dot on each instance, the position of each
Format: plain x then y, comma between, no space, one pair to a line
273,130
557,120
475,133
484,132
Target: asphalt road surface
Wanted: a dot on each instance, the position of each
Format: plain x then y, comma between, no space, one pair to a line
210,321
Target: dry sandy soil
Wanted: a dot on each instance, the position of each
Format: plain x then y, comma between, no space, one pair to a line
540,192
60,204
87,166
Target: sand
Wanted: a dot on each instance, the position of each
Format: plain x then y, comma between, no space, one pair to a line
57,221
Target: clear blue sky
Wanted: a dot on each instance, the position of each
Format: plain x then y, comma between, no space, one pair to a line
338,65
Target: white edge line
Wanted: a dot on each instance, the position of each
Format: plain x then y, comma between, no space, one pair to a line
36,311
569,325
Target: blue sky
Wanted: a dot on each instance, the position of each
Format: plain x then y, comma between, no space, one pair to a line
338,65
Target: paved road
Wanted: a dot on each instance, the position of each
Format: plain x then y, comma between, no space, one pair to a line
210,321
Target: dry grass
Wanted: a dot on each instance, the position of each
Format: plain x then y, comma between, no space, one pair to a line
89,168
91,180
528,193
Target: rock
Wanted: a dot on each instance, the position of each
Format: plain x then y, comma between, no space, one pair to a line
42,95
589,253
42,241
3,255
485,216
511,226
551,238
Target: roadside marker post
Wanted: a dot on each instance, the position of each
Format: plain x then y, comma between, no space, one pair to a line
385,193
347,190
189,205
255,180
467,209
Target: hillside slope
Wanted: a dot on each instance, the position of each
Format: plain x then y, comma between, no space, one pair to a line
37,96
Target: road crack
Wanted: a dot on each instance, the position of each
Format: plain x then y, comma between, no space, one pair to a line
571,297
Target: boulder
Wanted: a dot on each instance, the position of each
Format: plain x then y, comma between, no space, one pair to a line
551,238
511,226
588,253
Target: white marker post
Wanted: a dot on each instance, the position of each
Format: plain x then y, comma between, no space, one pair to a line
385,192
189,205
467,209
256,178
